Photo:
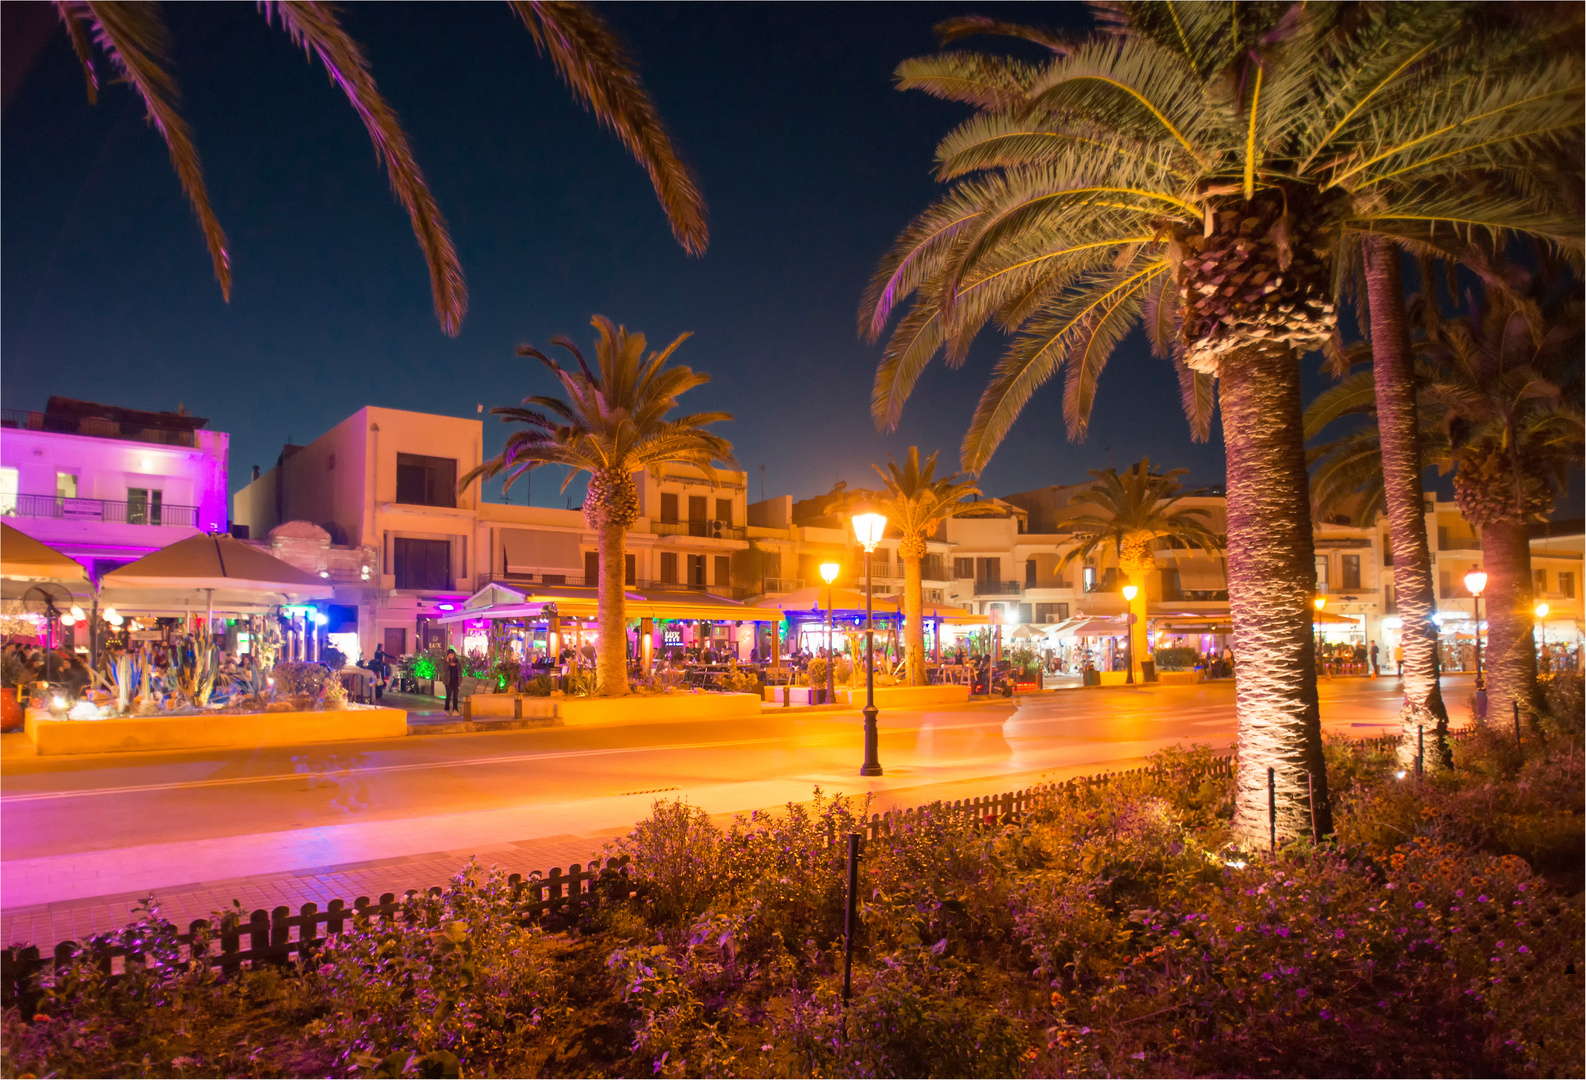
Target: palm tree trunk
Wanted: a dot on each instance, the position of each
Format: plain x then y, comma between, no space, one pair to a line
1271,578
913,619
1510,655
611,656
1393,371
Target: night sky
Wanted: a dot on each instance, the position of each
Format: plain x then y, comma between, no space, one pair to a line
809,159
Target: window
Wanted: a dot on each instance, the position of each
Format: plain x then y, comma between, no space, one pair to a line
1351,571
1029,573
1389,605
988,569
426,481
1090,579
724,511
668,508
8,491
723,569
1321,573
1566,583
1050,613
931,568
1445,585
771,564
1442,538
963,569
696,507
1026,614
1541,582
630,570
1170,585
696,569
669,567
1387,551
143,506
591,567
65,485
423,564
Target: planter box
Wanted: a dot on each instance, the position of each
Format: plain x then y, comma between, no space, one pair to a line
635,709
789,695
1178,678
907,697
133,734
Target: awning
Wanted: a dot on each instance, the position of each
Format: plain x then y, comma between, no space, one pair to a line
219,563
528,550
1330,619
1093,626
1201,573
534,602
23,558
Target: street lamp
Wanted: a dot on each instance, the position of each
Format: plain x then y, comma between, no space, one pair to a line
1475,582
1541,620
829,572
868,529
1129,593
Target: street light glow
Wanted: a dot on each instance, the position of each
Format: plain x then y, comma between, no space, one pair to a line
1476,580
1542,610
829,571
868,529
1320,602
1130,592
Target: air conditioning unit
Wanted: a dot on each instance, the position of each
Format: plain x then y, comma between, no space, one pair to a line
715,529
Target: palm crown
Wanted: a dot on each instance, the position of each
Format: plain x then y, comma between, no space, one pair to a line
582,48
1134,509
1207,169
916,501
612,423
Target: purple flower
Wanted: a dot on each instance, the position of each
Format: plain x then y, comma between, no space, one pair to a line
1459,892
1523,949
1481,899
1420,903
1338,935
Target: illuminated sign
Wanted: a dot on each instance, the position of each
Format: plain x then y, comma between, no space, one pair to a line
672,637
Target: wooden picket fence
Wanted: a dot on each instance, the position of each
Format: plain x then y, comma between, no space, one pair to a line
553,899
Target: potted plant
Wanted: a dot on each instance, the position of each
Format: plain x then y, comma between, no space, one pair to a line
13,672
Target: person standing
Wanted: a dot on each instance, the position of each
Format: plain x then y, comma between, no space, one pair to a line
1398,658
454,681
1376,666
378,669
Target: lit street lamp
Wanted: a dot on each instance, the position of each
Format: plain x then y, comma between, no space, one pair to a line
868,529
1129,593
1541,620
1475,582
829,572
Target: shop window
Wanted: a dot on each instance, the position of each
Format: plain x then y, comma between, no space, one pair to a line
1566,584
668,508
724,511
964,569
696,570
426,481
723,569
423,564
669,567
591,567
1351,571
144,505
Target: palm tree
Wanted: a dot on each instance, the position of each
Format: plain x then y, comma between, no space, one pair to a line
612,424
1209,169
1376,469
1134,510
915,503
582,48
1511,397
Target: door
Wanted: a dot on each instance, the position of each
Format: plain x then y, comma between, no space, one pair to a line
697,522
591,568
696,570
723,570
396,641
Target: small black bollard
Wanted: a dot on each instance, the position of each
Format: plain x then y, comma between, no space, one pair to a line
848,918
1517,744
1420,749
1272,805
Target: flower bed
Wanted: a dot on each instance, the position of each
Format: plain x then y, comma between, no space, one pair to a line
1113,932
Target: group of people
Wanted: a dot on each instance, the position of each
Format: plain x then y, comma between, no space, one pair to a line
57,667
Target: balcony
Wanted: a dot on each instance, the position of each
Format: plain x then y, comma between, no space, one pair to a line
707,530
782,585
579,581
118,513
100,428
997,588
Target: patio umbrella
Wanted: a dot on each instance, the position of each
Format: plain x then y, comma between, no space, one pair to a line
1026,632
225,570
23,558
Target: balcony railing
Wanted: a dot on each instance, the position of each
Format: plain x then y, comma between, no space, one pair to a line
709,530
119,513
579,581
782,585
997,588
34,420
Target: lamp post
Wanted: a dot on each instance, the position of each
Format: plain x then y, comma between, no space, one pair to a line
1541,621
1129,593
1476,581
829,572
868,529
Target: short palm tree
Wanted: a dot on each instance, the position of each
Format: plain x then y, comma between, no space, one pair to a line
1511,402
1133,511
915,502
582,48
612,424
1209,169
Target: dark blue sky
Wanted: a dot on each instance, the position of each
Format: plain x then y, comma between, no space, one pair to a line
809,160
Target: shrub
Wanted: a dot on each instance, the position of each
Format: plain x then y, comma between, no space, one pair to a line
294,677
1178,658
539,686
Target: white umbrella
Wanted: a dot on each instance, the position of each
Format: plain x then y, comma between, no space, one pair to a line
219,568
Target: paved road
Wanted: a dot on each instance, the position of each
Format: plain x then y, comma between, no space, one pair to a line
97,826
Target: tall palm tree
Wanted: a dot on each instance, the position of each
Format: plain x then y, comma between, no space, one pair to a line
1511,395
916,502
1209,169
1376,468
612,424
1133,510
586,54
